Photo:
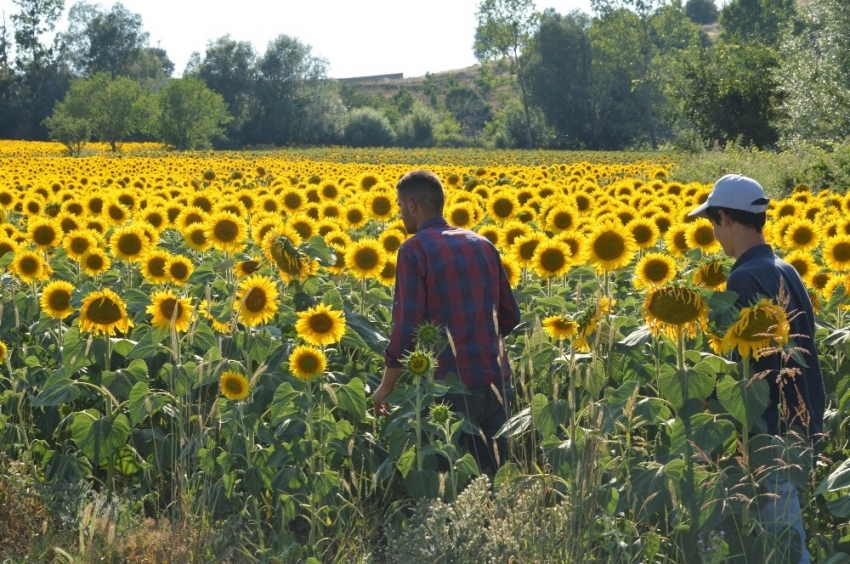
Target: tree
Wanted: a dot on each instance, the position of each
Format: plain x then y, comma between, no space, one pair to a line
560,78
418,127
703,12
229,68
114,109
814,76
287,75
634,41
504,30
757,21
112,41
71,131
36,18
730,93
469,109
191,115
367,127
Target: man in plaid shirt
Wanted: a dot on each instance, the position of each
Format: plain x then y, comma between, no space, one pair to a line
453,278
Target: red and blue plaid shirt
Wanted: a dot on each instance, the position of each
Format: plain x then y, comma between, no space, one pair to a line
454,278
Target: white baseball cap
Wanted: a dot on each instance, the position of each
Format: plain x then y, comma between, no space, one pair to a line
735,192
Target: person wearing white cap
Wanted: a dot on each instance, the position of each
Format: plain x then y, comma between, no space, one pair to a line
737,207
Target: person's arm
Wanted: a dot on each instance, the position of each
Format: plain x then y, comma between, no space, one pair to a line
385,389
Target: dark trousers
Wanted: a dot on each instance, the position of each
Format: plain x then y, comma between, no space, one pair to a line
489,410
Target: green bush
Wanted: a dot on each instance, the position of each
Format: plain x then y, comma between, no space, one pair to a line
368,127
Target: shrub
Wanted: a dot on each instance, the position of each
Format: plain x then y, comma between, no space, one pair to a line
368,127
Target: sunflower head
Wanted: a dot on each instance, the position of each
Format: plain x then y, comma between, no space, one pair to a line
440,413
419,363
757,328
429,336
321,325
234,385
711,275
56,299
560,327
654,269
306,362
104,312
672,309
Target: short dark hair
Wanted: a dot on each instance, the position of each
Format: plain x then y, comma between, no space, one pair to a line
425,188
746,218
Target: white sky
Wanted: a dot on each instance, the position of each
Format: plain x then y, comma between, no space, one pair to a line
357,37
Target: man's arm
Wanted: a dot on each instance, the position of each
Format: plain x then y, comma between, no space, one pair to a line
385,389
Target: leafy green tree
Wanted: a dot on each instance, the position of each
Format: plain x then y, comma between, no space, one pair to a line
229,68
191,115
469,109
112,41
730,93
287,77
560,79
814,75
635,42
417,128
36,17
115,109
702,11
368,127
757,21
504,30
73,132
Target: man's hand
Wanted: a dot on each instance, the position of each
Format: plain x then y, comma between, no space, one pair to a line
384,390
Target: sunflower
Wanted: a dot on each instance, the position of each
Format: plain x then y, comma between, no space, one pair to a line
674,310
711,275
226,232
7,245
196,238
245,267
153,266
700,235
611,246
645,232
56,299
79,242
95,262
281,251
3,351
355,215
551,258
306,362
801,235
365,258
302,224
512,271
803,263
836,253
179,269
104,312
189,216
491,233
462,214
114,212
502,205
45,233
292,200
758,327
560,218
676,240
523,248
30,266
129,243
320,325
380,204
234,385
654,269
256,300
560,327
166,306
419,363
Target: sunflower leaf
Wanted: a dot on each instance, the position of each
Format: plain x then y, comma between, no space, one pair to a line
744,400
351,398
98,436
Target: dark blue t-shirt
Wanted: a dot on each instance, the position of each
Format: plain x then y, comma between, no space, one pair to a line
756,274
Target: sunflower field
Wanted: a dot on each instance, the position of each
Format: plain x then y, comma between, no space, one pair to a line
188,343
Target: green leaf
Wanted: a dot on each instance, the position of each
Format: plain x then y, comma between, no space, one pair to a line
203,338
838,479
58,389
371,336
318,249
551,417
98,436
283,404
351,398
516,425
467,465
840,507
678,387
142,403
638,337
744,400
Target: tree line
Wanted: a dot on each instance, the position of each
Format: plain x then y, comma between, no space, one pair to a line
634,73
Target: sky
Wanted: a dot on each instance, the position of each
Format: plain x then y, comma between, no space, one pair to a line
356,37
